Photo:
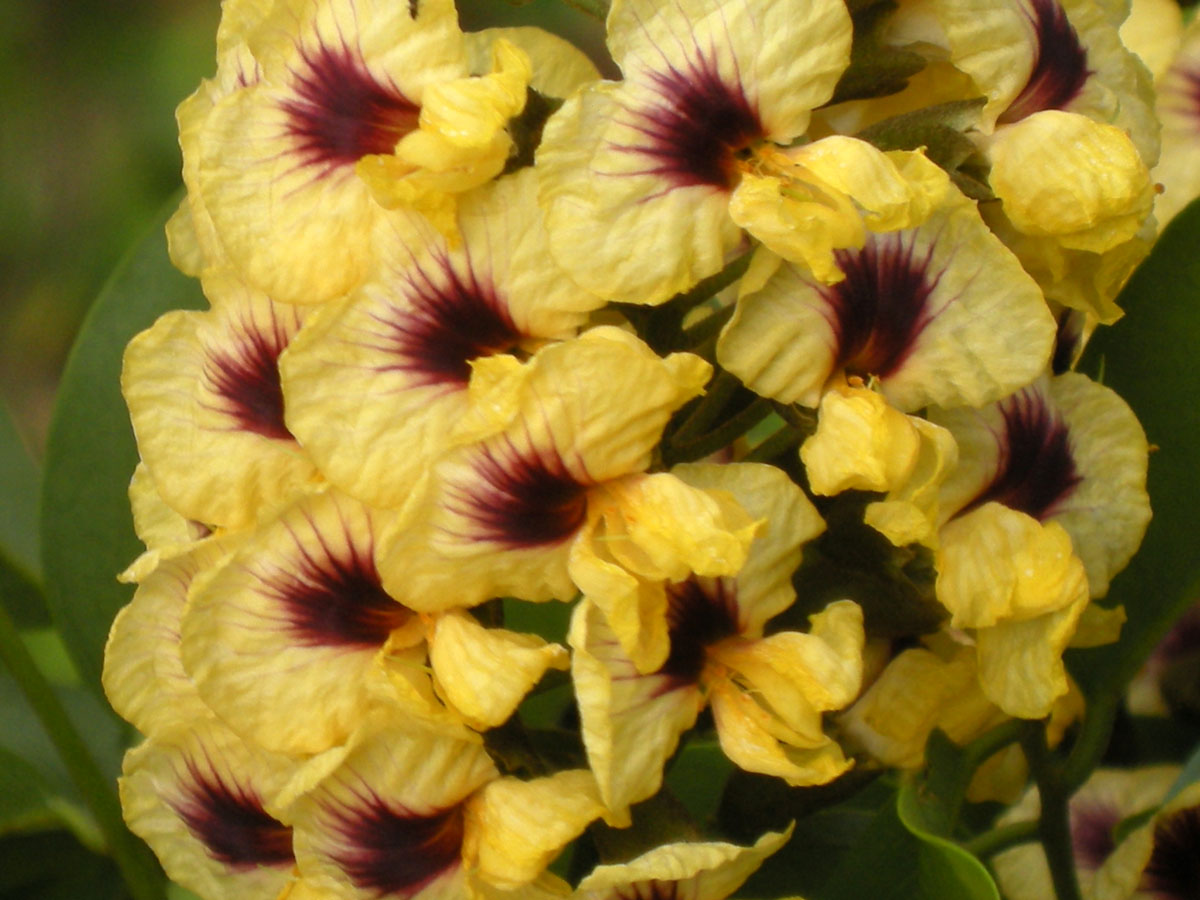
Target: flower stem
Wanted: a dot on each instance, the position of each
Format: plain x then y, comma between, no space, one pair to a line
999,839
1054,826
138,869
597,8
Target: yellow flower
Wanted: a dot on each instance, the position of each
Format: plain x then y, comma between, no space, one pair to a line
705,81
1158,860
297,619
1064,450
201,799
699,871
376,384
423,814
207,408
767,693
940,313
1107,798
502,516
143,677
1177,170
339,89
862,443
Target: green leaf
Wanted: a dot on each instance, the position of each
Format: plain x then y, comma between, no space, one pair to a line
698,775
899,857
1148,357
87,529
54,866
944,868
20,568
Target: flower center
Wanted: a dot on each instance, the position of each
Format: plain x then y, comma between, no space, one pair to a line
523,498
1060,64
1173,872
395,852
341,112
881,306
336,599
1035,470
245,375
693,128
450,320
700,612
229,820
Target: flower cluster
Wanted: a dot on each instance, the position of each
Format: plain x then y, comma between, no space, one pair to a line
759,357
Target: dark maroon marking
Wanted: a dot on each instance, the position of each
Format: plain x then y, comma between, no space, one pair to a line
1067,341
696,126
1060,64
523,499
700,612
1092,827
229,820
452,319
245,375
881,307
341,112
1035,469
394,853
333,601
648,890
1173,872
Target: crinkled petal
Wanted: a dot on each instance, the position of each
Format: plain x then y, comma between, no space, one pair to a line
515,828
631,722
997,565
484,673
297,619
198,799
699,871
207,409
941,313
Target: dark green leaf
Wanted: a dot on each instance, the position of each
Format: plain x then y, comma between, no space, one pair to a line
87,530
697,777
20,568
1148,358
945,870
54,866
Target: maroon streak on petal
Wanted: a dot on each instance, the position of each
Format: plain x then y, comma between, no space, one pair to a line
245,374
451,318
1060,64
881,307
1173,872
393,852
1092,827
700,612
229,820
1035,469
333,600
695,126
340,112
522,498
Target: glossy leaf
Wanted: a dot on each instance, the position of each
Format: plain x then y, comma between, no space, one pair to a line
20,568
87,530
1149,358
944,868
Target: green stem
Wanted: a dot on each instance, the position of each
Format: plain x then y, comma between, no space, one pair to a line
786,438
1054,826
708,409
999,839
140,872
1093,737
991,742
719,437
